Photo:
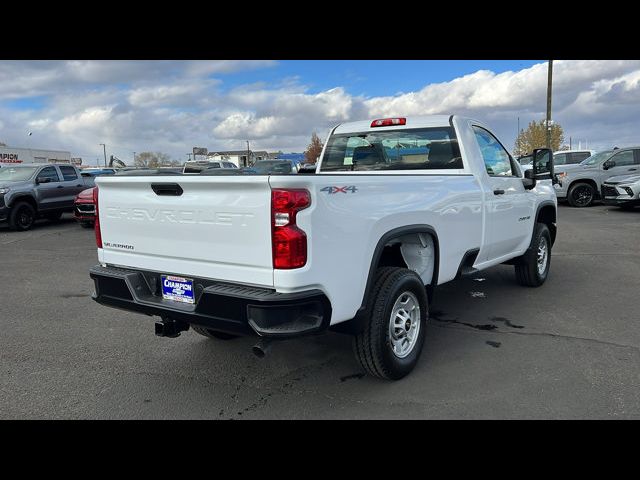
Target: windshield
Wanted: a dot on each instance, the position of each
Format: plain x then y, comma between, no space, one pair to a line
408,149
595,158
16,174
272,167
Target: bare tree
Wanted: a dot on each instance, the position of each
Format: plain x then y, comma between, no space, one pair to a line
2,144
153,160
314,149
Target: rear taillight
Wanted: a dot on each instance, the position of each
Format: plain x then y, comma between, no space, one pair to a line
96,223
288,242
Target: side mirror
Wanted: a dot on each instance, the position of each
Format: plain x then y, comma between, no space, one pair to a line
529,180
542,164
40,180
608,164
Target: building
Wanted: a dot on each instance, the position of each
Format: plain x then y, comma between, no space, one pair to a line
238,157
12,156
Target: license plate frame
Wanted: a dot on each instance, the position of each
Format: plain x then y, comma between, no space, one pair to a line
177,289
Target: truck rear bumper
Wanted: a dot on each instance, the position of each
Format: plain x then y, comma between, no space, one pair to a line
230,308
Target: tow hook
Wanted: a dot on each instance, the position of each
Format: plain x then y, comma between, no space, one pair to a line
261,348
168,327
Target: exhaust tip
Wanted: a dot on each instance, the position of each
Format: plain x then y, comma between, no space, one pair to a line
261,348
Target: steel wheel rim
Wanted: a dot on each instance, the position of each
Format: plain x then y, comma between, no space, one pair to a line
543,255
404,324
582,195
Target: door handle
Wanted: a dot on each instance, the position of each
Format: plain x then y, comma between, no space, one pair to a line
632,169
78,185
498,191
60,186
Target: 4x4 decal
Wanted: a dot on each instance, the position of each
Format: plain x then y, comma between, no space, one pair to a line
332,189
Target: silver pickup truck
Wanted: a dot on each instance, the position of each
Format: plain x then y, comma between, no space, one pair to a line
29,191
581,184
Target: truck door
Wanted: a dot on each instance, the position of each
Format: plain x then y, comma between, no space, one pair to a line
623,164
72,184
49,193
509,207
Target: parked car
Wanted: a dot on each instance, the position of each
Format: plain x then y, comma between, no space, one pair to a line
623,191
262,167
581,184
84,210
200,165
29,191
358,248
561,157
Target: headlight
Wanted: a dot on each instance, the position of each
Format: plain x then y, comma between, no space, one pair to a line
3,191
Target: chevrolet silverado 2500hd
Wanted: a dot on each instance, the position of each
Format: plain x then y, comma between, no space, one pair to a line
397,206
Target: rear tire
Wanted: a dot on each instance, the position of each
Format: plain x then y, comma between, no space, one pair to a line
581,195
532,268
22,217
207,332
390,344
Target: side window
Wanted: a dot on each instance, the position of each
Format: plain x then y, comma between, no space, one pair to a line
49,172
576,157
68,173
560,158
623,159
496,159
214,165
637,153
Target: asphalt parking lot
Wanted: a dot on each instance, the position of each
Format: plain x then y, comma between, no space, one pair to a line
570,349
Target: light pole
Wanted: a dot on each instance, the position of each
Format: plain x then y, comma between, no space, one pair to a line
548,122
248,163
104,149
134,158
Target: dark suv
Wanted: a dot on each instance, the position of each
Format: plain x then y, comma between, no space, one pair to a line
29,191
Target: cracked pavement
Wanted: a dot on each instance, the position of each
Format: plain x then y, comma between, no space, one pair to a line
569,349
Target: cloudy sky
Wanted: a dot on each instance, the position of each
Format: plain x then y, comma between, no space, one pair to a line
172,106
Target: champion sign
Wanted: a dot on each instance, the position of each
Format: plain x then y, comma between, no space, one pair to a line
9,158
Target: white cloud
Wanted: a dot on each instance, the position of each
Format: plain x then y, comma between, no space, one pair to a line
172,106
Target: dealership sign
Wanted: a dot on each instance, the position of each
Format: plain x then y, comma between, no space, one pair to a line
9,158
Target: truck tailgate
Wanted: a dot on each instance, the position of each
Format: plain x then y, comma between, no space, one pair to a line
201,226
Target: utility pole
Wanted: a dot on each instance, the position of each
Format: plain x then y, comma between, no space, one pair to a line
134,158
549,84
104,150
248,155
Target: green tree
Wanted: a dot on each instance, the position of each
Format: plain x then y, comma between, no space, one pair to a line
314,149
153,160
535,136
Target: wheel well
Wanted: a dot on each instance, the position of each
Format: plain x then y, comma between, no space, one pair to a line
586,180
547,215
25,198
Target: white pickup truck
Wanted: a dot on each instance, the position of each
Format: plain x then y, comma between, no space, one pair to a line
396,207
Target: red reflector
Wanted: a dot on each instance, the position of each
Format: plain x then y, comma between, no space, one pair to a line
387,122
289,243
96,222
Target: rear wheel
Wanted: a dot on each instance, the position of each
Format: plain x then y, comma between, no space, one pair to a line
581,195
22,217
533,267
390,344
207,332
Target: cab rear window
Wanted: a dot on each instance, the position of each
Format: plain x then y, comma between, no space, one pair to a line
405,149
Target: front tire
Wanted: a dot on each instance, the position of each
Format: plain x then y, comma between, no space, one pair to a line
22,217
581,195
533,267
390,344
207,332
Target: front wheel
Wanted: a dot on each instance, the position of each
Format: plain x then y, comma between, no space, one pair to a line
532,268
390,344
581,195
22,217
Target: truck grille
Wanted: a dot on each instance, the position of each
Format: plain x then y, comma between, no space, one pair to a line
609,191
86,209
